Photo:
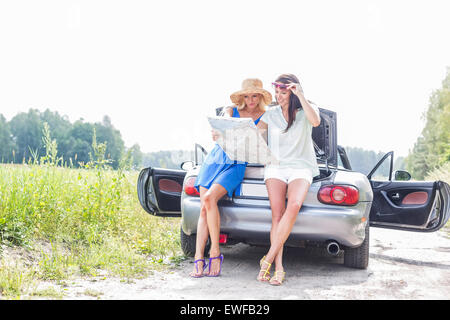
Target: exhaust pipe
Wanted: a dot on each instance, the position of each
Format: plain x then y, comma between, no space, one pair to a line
333,248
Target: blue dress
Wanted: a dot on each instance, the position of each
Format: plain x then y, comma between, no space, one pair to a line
219,168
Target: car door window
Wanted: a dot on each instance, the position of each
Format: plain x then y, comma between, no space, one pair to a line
382,172
199,154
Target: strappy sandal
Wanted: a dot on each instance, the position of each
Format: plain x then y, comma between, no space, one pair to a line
266,275
278,276
196,268
220,268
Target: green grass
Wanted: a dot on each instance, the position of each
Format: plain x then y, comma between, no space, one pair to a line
15,280
77,222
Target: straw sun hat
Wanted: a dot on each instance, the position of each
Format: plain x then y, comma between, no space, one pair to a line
251,86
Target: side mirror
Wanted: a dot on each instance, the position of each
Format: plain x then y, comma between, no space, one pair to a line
187,165
401,175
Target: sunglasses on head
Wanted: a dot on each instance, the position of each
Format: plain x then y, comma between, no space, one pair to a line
280,85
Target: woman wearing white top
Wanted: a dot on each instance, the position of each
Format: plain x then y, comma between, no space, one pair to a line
289,132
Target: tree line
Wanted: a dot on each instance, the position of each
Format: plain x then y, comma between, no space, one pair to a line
26,138
22,139
432,148
431,151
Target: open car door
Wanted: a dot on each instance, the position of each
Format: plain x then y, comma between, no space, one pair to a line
159,191
406,205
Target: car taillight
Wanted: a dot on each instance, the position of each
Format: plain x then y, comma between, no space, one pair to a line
189,188
339,195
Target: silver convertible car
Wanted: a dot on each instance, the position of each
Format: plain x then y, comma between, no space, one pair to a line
338,211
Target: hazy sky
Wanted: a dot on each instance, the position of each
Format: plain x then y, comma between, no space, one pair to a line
158,68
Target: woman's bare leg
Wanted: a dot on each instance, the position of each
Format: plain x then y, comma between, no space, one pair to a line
276,190
212,196
202,235
297,191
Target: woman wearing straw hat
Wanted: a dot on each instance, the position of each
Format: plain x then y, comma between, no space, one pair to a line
219,176
289,128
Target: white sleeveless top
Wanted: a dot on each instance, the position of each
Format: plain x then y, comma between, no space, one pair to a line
294,149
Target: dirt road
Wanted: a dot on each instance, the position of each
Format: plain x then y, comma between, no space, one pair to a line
403,265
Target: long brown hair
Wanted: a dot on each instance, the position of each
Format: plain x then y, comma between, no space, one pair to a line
294,101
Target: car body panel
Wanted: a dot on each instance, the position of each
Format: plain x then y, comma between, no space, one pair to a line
248,217
250,221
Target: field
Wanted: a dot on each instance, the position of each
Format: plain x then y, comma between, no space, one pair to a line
57,223
60,223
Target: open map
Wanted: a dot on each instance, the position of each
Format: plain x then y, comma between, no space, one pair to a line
241,140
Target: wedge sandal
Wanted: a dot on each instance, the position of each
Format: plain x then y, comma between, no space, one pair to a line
220,268
278,278
193,275
266,272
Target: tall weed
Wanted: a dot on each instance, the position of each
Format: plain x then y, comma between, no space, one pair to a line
91,218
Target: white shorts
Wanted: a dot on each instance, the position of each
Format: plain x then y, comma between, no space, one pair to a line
287,174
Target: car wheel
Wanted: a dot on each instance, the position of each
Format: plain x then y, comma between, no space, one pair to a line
358,257
188,243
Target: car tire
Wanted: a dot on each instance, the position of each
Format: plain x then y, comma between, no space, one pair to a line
358,257
188,243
